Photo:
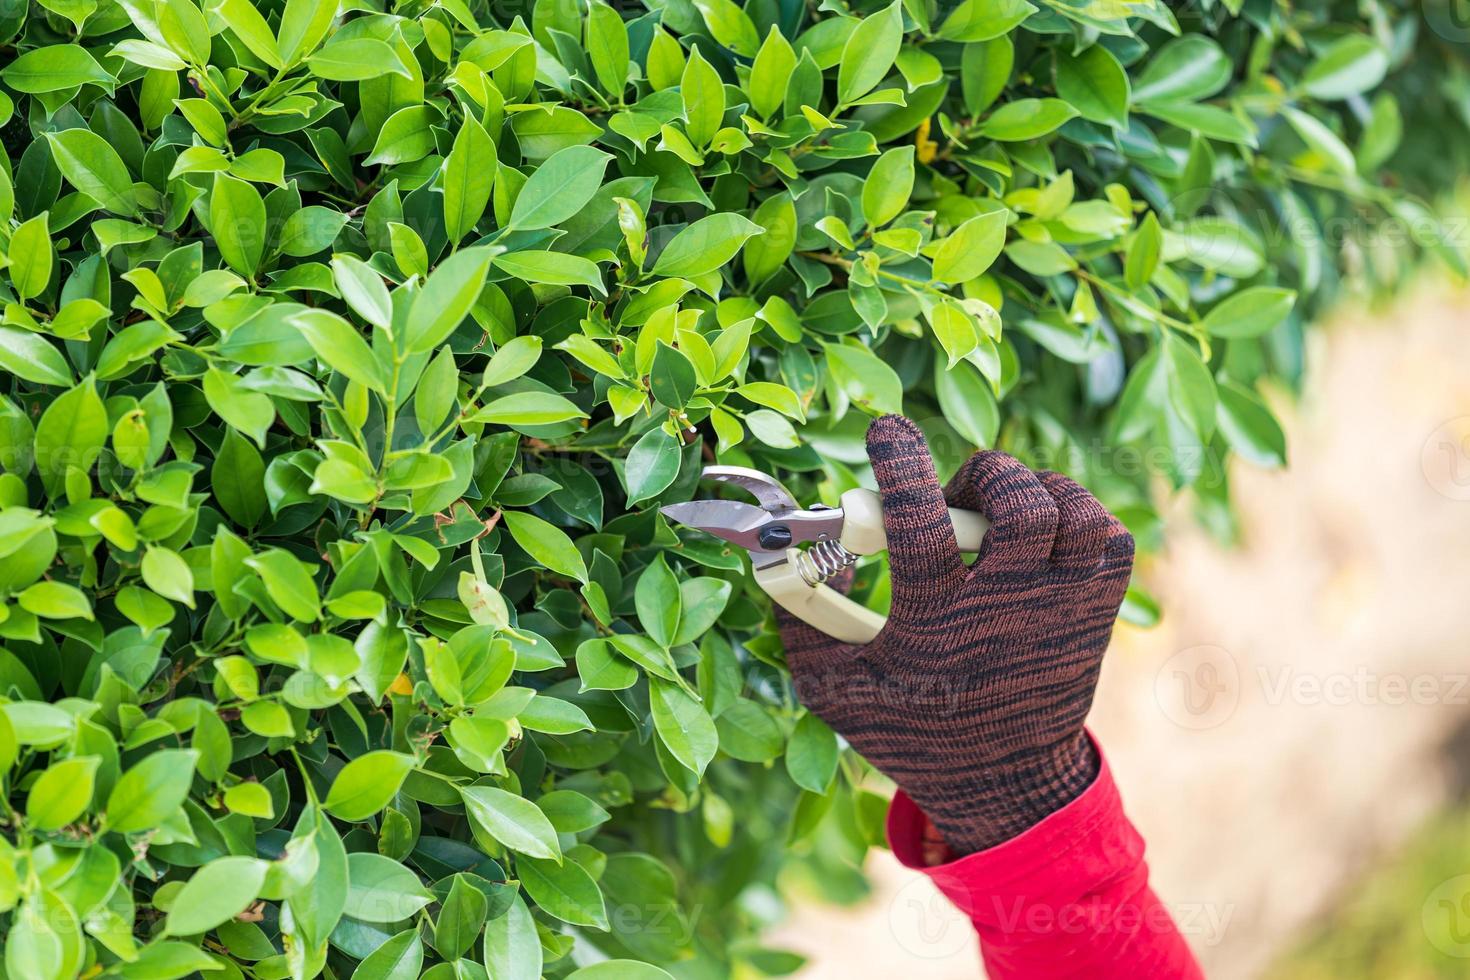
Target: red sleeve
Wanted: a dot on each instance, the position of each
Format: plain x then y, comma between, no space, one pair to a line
1067,898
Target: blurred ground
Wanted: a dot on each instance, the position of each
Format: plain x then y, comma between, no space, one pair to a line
1290,724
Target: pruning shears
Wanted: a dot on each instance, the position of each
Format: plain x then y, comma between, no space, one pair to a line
773,530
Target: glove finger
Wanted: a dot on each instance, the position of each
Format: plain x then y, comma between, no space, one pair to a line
1022,515
923,558
1082,523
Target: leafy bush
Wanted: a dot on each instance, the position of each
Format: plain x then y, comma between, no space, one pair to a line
350,352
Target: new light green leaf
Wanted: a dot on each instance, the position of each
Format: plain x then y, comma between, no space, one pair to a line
870,52
446,298
366,784
888,185
529,408
338,343
151,791
705,245
62,793
971,248
214,895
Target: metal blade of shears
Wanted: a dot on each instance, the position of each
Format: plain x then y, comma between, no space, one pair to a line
731,520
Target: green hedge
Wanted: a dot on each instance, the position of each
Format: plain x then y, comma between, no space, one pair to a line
349,352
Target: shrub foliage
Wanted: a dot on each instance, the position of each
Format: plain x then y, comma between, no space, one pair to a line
348,352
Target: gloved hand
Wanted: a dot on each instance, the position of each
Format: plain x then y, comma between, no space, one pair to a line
972,698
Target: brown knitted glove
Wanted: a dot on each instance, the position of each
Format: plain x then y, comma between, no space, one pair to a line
972,698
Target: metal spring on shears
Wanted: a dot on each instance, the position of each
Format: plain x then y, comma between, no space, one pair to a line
823,560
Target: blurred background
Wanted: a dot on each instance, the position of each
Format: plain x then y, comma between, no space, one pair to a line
1293,737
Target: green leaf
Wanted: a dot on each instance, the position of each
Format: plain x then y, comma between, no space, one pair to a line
250,27
968,403
356,59
559,188
971,248
888,185
982,20
701,602
869,53
600,670
165,572
310,231
338,343
62,793
1185,69
55,600
237,220
30,256
1026,119
460,919
770,73
446,298
304,25
607,45
528,408
672,378
564,891
380,889
1191,389
151,791
704,99
400,958
867,379
512,820
683,725
406,136
367,784
1348,66
1144,250
289,584
1095,84
765,253
1328,146
811,758
651,466
748,733
705,245
216,893
517,356
552,268
363,290
658,601
54,68
469,175
546,543
1250,312
70,433
92,166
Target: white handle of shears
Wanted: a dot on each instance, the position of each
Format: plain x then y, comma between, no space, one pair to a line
824,607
